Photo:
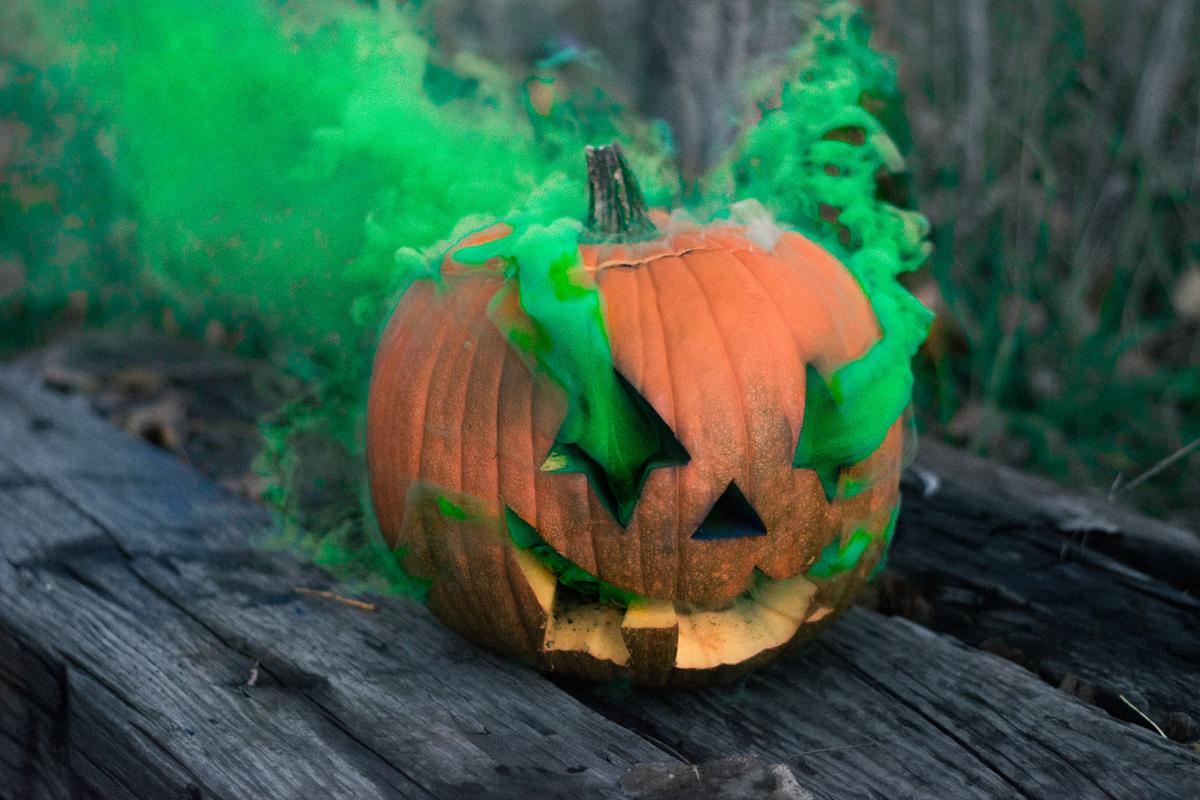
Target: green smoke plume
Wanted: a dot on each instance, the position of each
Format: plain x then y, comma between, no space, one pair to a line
819,161
274,169
286,170
557,323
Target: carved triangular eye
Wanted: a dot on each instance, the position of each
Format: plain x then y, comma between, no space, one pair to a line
731,517
818,446
657,438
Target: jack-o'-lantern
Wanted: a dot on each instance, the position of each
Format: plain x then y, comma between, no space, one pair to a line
647,449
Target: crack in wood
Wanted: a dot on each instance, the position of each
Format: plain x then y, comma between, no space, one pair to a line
946,730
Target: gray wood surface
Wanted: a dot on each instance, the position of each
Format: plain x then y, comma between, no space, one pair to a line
880,707
1155,547
1023,581
134,608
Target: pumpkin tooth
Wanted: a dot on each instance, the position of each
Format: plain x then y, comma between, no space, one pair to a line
764,621
579,633
534,587
651,633
542,581
583,633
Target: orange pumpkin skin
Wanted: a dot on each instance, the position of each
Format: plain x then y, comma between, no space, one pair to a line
714,326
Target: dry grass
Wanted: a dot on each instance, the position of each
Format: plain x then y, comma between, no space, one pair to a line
1057,151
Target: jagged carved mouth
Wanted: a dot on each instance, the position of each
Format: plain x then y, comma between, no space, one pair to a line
656,636
486,568
583,614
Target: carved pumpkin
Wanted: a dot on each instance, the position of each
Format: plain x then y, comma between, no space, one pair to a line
747,513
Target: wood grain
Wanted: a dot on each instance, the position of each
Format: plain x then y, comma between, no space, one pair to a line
1008,577
135,606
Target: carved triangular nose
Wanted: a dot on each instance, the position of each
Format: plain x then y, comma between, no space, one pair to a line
731,517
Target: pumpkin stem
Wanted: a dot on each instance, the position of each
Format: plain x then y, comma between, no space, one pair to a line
616,208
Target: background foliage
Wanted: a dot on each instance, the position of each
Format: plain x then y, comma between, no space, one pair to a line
1054,146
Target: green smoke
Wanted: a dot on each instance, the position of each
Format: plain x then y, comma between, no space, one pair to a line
286,170
557,323
272,169
277,159
817,161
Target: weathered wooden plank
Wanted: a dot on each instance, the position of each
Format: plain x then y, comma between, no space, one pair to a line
30,747
1152,546
133,608
113,536
1004,576
880,707
993,556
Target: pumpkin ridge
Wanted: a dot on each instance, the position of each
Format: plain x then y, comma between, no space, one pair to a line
677,549
517,470
465,416
592,502
649,324
413,457
635,304
774,305
513,589
535,508
500,422
772,298
493,447
460,544
740,395
653,305
464,610
742,558
450,398
792,527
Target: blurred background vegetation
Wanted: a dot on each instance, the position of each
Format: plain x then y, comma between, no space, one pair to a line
1055,148
1053,144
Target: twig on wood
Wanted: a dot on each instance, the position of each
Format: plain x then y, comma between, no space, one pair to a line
867,743
361,605
659,743
1142,714
1118,486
